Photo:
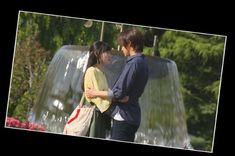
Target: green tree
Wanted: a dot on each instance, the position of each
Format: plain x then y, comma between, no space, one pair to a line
199,60
58,31
30,65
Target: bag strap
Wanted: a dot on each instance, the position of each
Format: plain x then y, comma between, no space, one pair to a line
77,108
82,100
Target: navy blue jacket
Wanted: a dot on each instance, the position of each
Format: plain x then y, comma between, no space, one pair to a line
131,82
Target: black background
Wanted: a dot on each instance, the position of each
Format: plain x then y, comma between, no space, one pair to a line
200,17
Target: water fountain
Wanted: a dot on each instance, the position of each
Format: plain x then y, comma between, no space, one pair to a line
163,115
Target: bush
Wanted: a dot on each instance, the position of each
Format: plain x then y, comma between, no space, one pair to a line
200,143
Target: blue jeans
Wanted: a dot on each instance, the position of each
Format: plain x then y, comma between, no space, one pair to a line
123,131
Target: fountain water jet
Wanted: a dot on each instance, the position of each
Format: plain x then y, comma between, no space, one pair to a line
163,116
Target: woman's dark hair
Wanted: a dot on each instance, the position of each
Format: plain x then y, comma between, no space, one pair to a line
133,37
95,52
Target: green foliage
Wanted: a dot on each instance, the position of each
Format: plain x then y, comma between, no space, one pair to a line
55,31
148,51
30,65
199,60
21,109
200,143
110,36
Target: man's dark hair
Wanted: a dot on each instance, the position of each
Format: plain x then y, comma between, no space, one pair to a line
133,37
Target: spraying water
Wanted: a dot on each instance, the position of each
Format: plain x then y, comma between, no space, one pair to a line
61,90
163,116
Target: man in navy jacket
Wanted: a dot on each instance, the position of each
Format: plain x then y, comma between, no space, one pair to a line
129,85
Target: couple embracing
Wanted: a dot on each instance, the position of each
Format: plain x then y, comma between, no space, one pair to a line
121,102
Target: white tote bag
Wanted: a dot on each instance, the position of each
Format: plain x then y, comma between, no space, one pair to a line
79,121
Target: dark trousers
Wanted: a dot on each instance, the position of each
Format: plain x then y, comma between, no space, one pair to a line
123,131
